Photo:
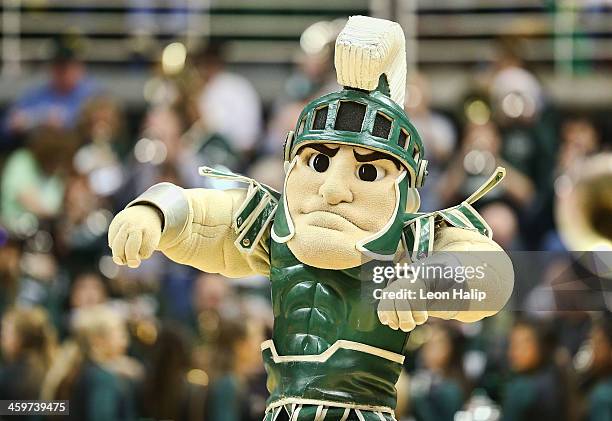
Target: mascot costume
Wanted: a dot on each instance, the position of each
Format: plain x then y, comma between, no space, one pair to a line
353,166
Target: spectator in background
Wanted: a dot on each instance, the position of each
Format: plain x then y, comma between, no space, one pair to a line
81,225
28,345
88,290
437,133
172,389
579,140
161,155
480,154
237,360
537,390
503,220
102,132
209,296
600,396
87,372
58,102
312,77
10,270
228,103
529,130
34,176
440,389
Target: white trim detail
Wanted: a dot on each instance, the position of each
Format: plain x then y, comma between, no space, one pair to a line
319,414
316,402
288,237
276,413
488,185
415,197
266,199
359,415
416,233
432,227
295,412
326,355
345,415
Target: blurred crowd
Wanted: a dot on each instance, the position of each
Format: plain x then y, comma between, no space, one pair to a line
166,342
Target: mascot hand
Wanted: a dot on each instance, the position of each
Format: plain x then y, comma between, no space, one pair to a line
397,310
134,234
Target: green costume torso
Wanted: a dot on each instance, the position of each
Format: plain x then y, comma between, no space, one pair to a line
326,314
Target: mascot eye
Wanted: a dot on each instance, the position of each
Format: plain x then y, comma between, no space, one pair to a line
370,172
319,162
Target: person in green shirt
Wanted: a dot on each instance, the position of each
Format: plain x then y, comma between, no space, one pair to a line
537,389
33,177
439,391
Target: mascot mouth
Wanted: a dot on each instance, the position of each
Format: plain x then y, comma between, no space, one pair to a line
331,220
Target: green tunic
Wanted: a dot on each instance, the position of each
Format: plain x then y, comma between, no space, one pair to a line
339,351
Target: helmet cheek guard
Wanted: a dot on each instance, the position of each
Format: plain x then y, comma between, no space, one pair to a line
287,148
421,173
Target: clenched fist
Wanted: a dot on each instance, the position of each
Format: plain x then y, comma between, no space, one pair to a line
134,234
401,306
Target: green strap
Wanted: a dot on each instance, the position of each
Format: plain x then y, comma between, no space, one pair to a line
254,230
419,229
254,216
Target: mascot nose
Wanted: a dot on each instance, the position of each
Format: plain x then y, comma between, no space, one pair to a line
336,189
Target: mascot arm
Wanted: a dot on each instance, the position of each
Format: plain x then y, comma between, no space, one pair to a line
478,251
198,230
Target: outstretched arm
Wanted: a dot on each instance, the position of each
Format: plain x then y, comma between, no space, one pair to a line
477,266
495,277
192,227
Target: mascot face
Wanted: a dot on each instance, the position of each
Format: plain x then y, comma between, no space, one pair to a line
337,196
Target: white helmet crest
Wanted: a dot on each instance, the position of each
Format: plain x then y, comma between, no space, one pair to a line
368,48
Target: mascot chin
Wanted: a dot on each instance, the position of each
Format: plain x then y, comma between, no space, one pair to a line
350,202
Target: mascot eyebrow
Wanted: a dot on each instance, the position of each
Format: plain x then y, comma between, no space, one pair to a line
375,156
325,150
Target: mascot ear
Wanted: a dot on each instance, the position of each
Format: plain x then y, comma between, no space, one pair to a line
368,48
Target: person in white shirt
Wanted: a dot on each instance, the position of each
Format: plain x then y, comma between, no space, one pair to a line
228,103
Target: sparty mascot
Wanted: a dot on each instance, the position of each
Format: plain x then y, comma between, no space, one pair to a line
352,166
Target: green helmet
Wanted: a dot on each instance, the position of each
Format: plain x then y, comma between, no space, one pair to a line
371,63
365,119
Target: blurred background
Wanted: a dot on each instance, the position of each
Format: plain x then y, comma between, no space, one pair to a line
100,100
